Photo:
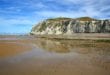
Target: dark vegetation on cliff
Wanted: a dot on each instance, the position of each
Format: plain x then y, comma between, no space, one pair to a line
59,19
86,19
66,18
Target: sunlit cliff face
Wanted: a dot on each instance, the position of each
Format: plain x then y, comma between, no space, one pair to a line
71,26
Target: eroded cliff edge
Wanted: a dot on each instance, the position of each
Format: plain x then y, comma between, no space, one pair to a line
71,26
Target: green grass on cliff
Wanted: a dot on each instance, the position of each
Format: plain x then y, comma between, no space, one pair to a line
65,18
43,27
59,19
86,19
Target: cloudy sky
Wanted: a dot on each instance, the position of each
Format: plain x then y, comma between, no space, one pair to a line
18,16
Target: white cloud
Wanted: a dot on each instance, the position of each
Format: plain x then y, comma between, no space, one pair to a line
10,22
72,14
92,8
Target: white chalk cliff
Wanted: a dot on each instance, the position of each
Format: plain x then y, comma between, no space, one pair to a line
70,26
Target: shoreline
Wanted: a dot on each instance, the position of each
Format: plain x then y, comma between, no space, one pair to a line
83,36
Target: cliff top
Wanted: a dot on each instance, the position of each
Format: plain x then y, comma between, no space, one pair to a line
59,19
65,18
86,19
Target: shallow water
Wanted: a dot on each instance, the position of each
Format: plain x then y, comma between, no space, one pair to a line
27,55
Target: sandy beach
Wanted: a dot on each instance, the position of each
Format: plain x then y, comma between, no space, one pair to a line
30,55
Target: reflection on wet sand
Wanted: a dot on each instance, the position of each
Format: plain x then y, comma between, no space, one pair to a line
65,46
39,56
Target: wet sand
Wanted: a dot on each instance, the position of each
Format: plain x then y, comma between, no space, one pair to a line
93,36
28,55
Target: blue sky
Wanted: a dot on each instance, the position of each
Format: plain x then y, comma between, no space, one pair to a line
18,16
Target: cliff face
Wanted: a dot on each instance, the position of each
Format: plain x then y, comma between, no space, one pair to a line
70,26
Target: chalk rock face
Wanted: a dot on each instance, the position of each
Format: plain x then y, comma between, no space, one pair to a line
70,26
